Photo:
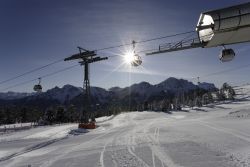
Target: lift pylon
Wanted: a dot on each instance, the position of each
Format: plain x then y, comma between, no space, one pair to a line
86,57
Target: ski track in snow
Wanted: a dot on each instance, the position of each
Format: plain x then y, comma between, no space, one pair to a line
143,139
128,149
74,148
38,145
32,148
156,147
123,143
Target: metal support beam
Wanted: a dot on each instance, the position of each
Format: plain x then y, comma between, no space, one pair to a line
86,58
181,45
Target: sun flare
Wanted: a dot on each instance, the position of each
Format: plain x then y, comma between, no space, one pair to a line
129,57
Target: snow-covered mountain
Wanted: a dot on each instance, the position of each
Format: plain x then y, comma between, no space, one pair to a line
206,86
66,93
169,86
142,91
101,95
173,84
115,89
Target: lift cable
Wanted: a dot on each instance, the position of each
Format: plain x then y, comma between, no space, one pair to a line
106,48
147,40
31,71
148,50
44,76
70,67
221,72
143,51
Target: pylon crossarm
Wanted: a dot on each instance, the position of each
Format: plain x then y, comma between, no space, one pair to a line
181,45
82,55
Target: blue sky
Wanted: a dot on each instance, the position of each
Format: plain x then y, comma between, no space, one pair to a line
36,32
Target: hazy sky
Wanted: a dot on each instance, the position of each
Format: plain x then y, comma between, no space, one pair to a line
34,33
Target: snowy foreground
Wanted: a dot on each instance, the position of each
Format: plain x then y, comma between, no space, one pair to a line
212,136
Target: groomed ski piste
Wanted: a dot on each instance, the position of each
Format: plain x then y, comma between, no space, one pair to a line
217,135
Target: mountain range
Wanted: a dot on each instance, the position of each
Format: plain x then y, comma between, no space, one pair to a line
139,92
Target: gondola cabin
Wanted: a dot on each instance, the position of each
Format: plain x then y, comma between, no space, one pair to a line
136,60
227,55
38,88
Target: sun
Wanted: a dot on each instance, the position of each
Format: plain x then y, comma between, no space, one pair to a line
129,57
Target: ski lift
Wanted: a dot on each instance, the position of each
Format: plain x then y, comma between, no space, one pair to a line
227,55
137,59
38,87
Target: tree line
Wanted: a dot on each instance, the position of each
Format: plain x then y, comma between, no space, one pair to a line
71,112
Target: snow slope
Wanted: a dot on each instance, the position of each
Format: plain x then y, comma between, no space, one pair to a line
210,136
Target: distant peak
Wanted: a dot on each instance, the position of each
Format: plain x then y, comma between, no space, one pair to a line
144,83
172,80
207,86
114,89
68,86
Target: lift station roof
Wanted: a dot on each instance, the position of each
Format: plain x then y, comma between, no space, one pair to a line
225,26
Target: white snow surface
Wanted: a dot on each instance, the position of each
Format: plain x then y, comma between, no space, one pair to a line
16,125
212,136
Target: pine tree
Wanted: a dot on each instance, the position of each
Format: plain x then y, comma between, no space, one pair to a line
23,114
198,102
205,99
231,93
60,115
49,116
210,97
